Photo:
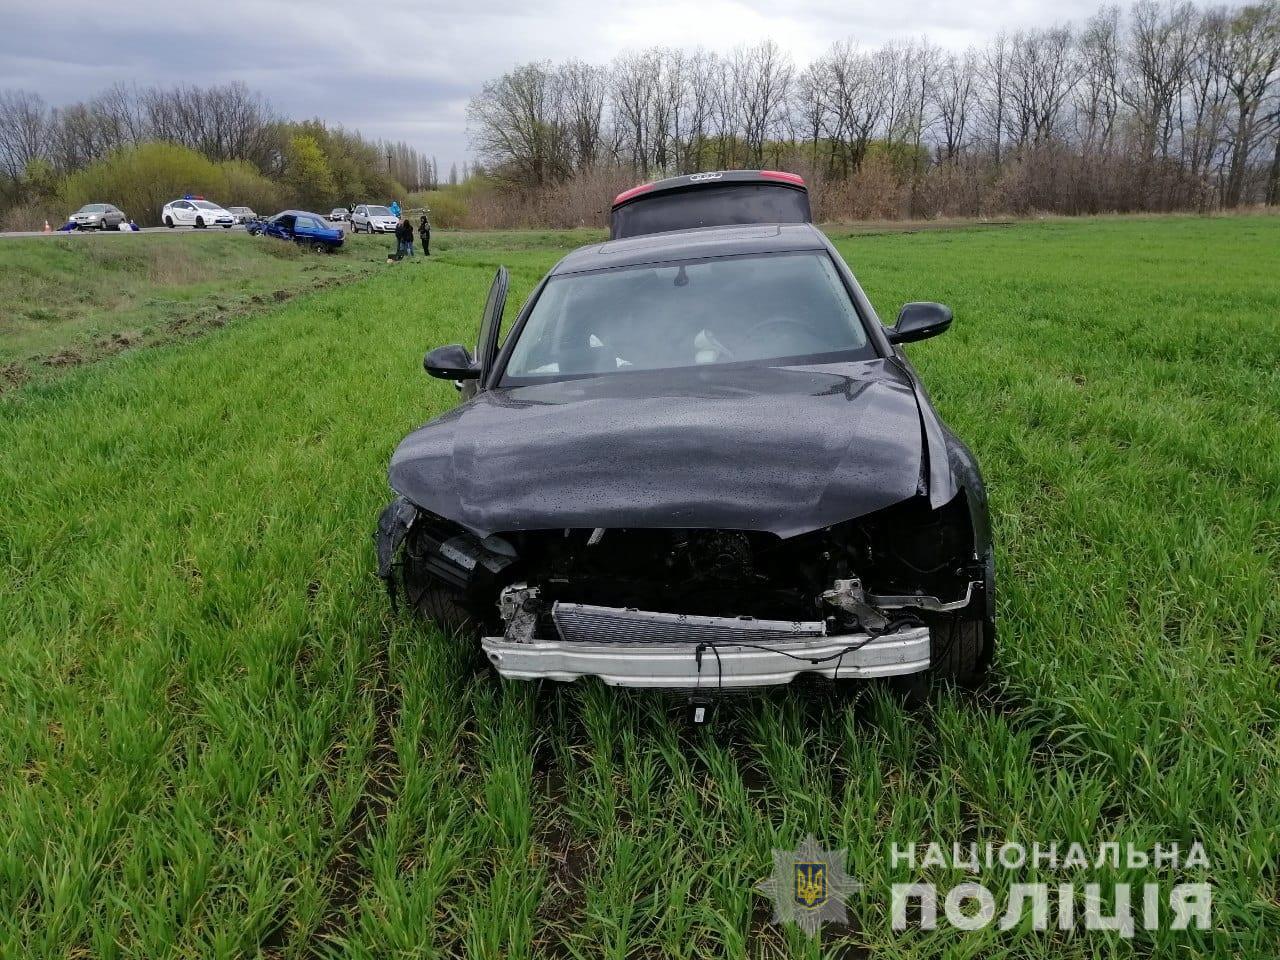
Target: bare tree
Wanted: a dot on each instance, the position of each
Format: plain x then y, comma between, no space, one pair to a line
953,96
24,120
513,125
582,91
761,83
1250,61
635,85
1160,51
993,97
1043,74
1097,95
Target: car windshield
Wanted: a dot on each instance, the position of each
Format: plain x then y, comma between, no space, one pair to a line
378,211
93,208
206,205
788,306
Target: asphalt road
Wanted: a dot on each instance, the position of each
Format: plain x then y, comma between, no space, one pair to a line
177,231
114,233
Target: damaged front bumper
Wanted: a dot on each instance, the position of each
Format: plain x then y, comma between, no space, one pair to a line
636,648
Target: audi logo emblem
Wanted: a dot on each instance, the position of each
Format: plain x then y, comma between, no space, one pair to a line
699,177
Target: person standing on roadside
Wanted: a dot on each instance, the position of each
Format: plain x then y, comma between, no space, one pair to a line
424,234
394,206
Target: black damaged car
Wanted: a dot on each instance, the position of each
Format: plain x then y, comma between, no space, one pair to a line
697,461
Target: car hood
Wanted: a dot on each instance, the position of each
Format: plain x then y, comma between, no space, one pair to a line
780,449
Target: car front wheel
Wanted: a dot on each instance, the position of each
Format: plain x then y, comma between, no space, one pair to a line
199,223
168,222
959,652
959,655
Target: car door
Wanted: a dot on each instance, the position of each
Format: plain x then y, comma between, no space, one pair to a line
490,331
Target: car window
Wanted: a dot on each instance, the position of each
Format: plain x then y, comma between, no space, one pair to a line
790,306
310,222
379,212
206,205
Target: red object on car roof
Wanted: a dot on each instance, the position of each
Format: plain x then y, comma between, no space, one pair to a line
713,198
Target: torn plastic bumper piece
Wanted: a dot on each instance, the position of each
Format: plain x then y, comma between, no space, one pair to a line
393,526
636,648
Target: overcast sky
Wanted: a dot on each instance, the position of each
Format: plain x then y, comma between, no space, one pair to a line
404,70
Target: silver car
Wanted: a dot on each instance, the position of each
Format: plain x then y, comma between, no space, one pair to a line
242,214
98,216
368,218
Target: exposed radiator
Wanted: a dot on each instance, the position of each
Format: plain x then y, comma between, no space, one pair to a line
578,622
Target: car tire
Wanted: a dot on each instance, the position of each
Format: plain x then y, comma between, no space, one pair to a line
226,226
319,247
442,607
959,652
960,655
434,601
168,222
199,223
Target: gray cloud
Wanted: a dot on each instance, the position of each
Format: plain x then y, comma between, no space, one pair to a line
404,70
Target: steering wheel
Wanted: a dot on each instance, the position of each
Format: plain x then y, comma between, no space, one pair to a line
781,322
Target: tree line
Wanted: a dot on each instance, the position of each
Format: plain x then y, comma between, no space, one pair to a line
1163,106
224,140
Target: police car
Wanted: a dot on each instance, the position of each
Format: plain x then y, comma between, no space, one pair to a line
196,212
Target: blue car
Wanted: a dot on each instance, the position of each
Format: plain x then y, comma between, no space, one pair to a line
306,229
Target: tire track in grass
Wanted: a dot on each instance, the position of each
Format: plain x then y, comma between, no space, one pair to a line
343,873
568,860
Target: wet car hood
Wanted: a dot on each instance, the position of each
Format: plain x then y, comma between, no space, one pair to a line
780,449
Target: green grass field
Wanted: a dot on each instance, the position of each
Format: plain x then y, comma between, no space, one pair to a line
217,741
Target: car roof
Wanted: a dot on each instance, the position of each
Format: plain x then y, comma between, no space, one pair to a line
693,244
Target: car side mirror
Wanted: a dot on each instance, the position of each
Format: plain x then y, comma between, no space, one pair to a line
920,320
451,363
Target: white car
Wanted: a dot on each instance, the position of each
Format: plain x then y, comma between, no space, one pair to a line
196,212
367,218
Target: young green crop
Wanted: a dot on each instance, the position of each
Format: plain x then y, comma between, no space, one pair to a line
218,741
